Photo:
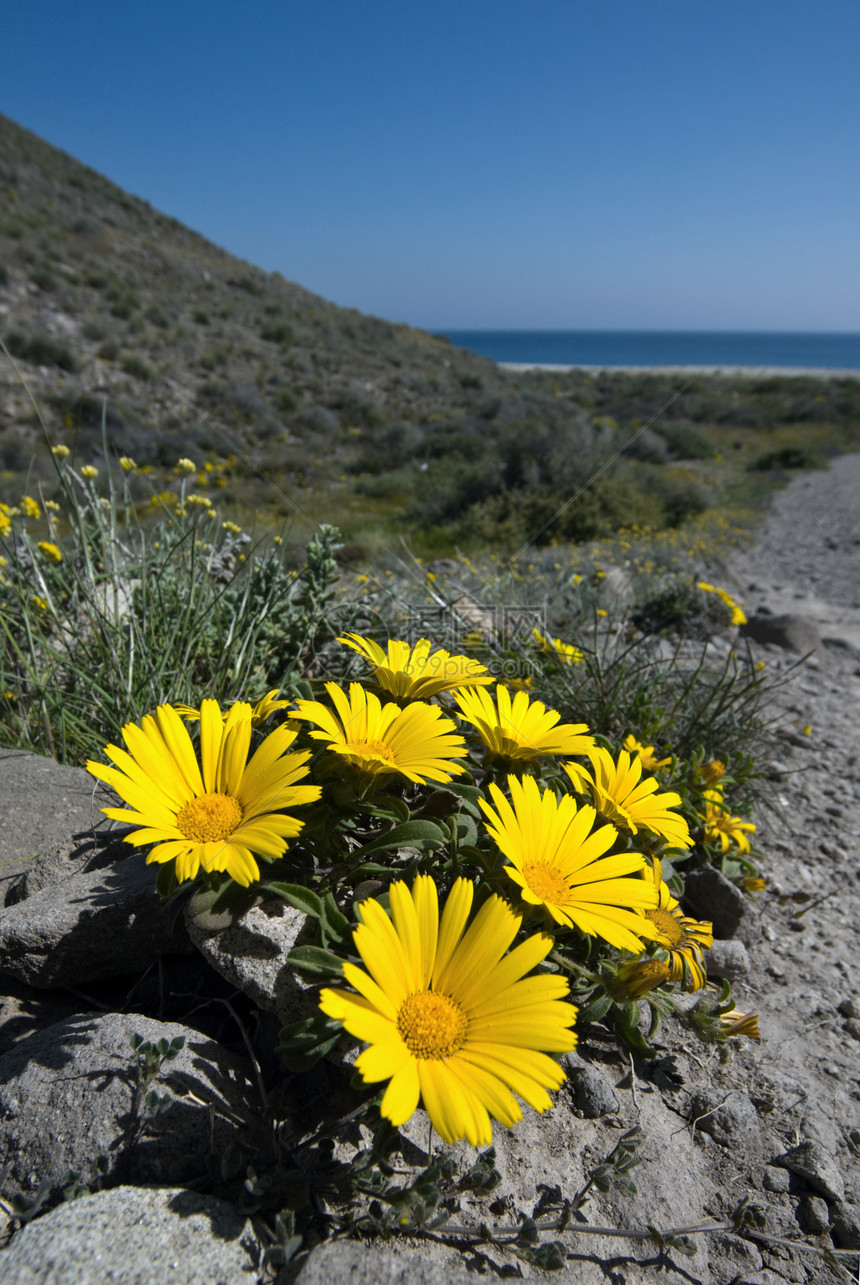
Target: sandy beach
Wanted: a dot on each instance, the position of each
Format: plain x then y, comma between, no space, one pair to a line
750,372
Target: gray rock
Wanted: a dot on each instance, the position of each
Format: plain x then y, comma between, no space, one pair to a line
709,895
852,1028
846,1225
74,856
813,1216
348,1261
69,1094
795,633
251,954
849,1008
728,959
101,923
134,1236
42,804
723,1117
815,1166
776,1180
592,1093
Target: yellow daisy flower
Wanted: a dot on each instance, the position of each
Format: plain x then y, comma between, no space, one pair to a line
60,451
738,1023
418,741
416,673
721,827
626,800
185,465
712,772
564,652
258,714
451,1020
30,507
682,938
215,816
557,859
637,977
89,471
646,754
127,464
51,551
520,730
5,520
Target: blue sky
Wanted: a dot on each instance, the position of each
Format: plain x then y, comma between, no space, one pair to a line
481,163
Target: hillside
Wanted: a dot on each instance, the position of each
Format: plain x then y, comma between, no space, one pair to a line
111,307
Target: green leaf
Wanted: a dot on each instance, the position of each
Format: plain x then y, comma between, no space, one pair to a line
598,1008
302,1044
336,923
297,895
316,961
411,834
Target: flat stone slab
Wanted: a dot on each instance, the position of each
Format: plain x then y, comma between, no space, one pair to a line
135,1236
42,803
100,923
359,1264
70,1094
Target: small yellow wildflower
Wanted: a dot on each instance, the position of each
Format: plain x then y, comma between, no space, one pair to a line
30,507
202,500
276,539
89,471
52,506
601,611
713,771
721,827
5,519
59,451
186,465
637,977
646,753
127,464
232,527
562,651
40,603
738,1023
51,551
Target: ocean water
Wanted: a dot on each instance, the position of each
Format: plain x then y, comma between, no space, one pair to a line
663,347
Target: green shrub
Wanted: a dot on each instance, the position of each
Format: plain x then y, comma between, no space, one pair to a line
788,457
199,317
109,350
41,277
40,350
136,367
684,442
279,333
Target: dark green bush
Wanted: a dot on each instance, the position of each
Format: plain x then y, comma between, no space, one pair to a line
788,457
41,277
279,333
136,367
684,442
41,350
109,350
199,317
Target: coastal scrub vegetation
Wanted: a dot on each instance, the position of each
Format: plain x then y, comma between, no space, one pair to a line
114,309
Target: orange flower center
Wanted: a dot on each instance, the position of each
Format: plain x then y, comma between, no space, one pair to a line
667,924
547,882
210,817
432,1025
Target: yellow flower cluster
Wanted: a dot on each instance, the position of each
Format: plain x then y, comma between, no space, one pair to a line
447,1002
738,613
